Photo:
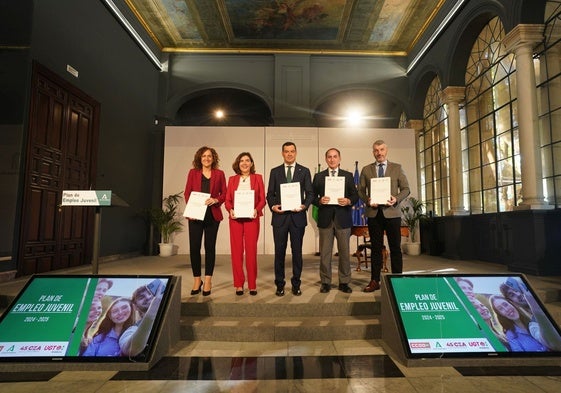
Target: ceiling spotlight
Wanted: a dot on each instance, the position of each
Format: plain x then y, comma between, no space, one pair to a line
354,118
219,114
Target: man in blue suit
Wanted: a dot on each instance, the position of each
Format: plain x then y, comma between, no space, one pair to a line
334,221
289,222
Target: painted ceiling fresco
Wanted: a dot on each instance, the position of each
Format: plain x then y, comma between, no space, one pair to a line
325,26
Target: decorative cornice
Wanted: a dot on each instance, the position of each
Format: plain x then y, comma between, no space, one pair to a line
523,35
453,94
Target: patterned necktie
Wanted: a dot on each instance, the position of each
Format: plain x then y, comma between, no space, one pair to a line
289,174
381,170
333,173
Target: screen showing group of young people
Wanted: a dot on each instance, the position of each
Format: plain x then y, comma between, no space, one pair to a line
472,314
84,317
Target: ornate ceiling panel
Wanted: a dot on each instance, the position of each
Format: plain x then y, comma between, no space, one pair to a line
389,27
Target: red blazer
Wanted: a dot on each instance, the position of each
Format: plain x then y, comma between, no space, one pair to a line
256,183
217,188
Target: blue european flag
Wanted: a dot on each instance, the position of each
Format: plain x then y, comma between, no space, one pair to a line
358,208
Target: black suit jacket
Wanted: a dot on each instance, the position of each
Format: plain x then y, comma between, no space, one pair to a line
326,213
278,177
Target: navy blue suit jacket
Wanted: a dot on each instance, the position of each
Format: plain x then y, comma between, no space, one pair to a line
278,177
326,213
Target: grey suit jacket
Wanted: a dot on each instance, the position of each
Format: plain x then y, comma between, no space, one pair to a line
399,189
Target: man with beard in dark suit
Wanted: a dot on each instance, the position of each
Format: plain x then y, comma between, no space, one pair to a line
289,222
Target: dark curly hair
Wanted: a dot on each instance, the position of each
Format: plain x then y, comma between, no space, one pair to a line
197,159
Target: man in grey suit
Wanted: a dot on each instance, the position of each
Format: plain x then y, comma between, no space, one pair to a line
289,222
383,217
334,221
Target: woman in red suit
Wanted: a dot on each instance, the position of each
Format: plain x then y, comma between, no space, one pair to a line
244,231
205,177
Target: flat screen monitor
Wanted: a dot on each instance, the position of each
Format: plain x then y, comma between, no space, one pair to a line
471,315
107,318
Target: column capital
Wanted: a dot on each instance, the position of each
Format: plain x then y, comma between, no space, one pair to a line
452,94
416,124
523,35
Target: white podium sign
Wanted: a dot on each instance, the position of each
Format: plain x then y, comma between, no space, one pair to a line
86,198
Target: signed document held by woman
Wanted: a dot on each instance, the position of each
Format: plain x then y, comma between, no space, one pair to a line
243,203
196,206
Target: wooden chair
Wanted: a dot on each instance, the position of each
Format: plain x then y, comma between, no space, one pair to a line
362,231
362,248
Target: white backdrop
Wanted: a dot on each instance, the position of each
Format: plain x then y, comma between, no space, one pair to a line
264,144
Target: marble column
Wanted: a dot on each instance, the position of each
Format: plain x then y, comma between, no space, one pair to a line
451,97
521,41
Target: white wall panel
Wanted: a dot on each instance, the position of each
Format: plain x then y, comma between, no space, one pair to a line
264,144
181,143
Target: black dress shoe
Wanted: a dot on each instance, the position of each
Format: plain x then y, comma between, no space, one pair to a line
280,291
253,292
345,288
296,291
239,292
325,288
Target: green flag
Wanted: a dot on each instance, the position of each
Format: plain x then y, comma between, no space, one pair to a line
315,209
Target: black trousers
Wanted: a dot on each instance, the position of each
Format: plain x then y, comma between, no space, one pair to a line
376,227
280,235
209,228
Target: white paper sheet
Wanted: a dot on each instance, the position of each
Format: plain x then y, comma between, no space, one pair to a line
334,188
196,207
380,190
244,201
290,196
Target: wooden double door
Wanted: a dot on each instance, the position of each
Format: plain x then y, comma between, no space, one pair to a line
61,155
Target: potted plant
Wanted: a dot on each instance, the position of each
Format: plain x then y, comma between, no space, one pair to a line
412,214
168,221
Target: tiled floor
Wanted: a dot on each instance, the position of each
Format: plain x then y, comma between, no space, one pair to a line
296,366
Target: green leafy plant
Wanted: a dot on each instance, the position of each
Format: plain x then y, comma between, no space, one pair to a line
167,219
412,214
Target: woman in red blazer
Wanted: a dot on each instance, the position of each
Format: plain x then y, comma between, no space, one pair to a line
244,231
205,177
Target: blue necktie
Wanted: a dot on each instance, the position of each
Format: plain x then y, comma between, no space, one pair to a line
380,170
